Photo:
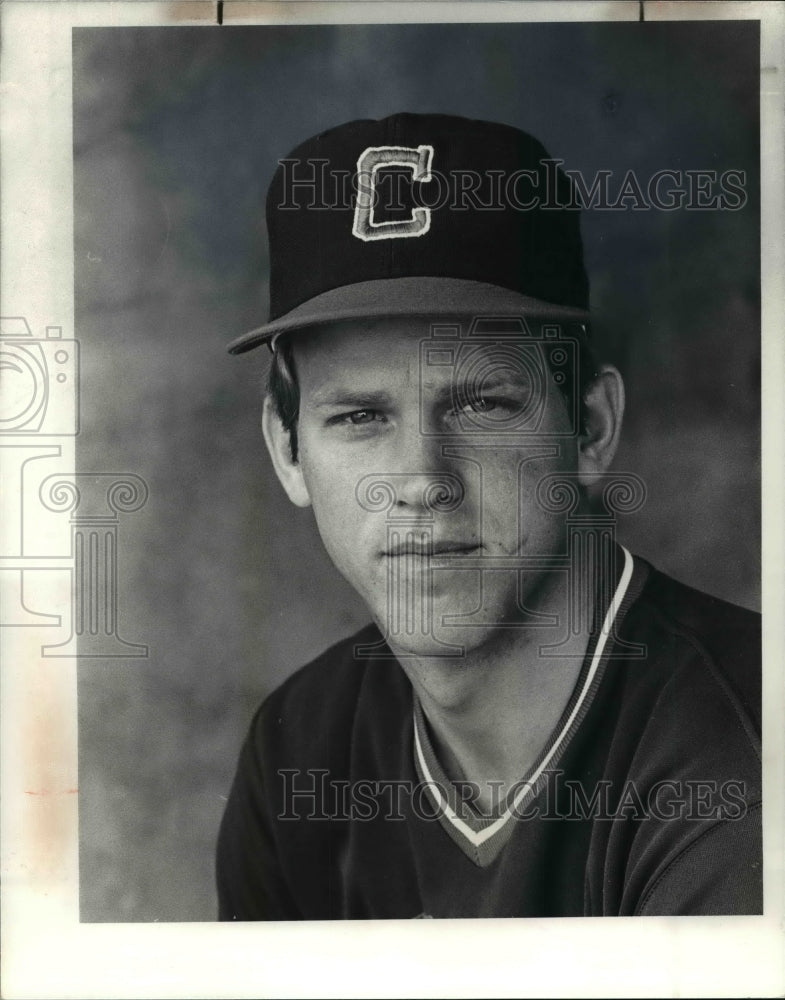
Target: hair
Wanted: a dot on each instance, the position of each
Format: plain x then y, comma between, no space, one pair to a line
284,390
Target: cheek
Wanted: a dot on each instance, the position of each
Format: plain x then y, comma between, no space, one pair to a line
334,472
332,488
513,475
511,513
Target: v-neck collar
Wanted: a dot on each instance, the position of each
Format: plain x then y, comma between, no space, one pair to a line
482,837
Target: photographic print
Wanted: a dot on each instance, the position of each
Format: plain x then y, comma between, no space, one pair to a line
409,560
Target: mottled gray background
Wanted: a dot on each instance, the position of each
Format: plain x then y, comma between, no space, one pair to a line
176,134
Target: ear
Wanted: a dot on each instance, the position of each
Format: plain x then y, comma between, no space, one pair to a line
604,408
289,472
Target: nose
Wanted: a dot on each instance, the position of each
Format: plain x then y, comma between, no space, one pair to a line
415,478
427,480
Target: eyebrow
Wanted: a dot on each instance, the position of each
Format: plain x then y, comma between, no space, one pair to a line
358,399
351,398
489,383
512,380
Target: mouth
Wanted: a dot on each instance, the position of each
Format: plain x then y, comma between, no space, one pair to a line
429,550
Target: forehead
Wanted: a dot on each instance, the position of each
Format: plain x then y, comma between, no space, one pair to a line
361,343
436,348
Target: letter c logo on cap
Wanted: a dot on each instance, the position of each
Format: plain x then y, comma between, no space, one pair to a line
368,166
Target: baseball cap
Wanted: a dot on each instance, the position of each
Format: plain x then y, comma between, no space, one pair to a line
420,215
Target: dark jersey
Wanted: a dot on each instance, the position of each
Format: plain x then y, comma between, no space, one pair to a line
645,801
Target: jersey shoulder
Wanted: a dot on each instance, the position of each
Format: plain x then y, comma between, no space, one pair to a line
691,723
309,718
333,674
725,636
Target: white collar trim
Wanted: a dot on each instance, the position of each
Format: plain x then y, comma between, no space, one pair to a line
478,837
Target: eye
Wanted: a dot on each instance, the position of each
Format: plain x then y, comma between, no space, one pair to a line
481,404
359,417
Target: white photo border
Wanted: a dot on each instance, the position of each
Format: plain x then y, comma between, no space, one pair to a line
47,952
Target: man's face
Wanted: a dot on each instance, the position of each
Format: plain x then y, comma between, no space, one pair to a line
423,479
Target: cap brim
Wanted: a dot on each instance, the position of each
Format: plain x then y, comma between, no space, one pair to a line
391,297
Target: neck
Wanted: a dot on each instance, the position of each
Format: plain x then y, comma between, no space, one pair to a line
492,710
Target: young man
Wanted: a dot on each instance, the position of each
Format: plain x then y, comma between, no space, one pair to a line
538,723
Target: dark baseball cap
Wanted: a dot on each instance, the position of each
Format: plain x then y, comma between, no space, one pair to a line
420,215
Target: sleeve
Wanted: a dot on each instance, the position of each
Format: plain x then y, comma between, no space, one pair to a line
718,873
250,882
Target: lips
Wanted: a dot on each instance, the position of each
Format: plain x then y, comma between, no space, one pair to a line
430,549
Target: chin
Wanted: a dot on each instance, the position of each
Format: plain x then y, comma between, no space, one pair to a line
451,650
417,638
